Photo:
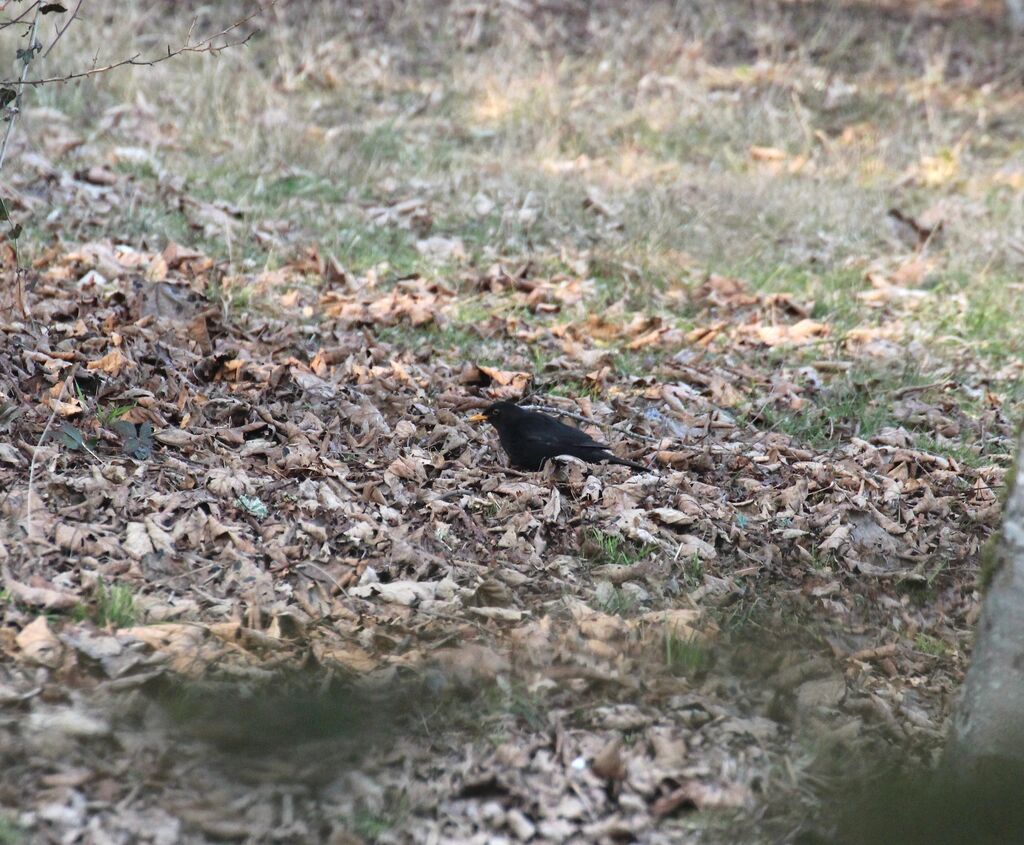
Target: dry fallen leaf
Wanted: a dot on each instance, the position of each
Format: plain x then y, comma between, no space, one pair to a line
608,763
137,542
39,644
500,384
112,363
439,249
767,154
65,408
801,332
38,596
700,795
677,622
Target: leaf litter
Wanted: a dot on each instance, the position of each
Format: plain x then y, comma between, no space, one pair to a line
283,491
269,536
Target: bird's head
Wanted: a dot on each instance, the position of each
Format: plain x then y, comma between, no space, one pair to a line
496,412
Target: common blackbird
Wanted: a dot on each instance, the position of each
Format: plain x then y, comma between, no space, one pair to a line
530,438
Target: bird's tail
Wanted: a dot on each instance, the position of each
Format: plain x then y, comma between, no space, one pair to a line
625,463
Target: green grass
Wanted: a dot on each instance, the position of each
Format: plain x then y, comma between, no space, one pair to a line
832,291
136,169
107,415
469,312
806,234
642,362
829,420
150,220
371,824
476,232
491,704
855,403
618,603
360,247
462,343
572,388
973,456
686,657
11,833
112,606
693,573
602,548
821,562
308,200
978,311
529,708
115,606
863,401
928,644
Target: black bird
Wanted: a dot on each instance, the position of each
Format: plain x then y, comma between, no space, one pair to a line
530,438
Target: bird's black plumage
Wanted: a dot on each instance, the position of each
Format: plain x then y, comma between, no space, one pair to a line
530,438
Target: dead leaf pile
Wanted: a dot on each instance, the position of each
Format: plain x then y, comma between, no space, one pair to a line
276,492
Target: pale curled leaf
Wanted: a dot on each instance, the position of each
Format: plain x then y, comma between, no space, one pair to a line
112,363
39,644
407,592
177,437
137,542
38,596
408,468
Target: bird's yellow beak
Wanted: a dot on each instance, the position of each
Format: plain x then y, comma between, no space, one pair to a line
478,418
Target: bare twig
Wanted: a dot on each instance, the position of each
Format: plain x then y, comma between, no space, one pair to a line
16,105
35,452
204,46
635,434
326,574
941,384
33,6
63,29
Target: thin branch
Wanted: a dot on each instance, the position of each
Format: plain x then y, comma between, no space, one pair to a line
326,574
204,46
18,19
63,29
16,110
35,452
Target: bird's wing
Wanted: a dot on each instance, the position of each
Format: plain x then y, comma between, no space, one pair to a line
549,432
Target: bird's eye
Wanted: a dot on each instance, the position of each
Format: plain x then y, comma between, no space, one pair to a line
495,413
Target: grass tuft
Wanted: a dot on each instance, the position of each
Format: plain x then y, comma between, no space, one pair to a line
686,657
112,606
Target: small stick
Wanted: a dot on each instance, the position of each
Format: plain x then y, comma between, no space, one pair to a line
63,29
942,384
32,465
24,72
206,45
